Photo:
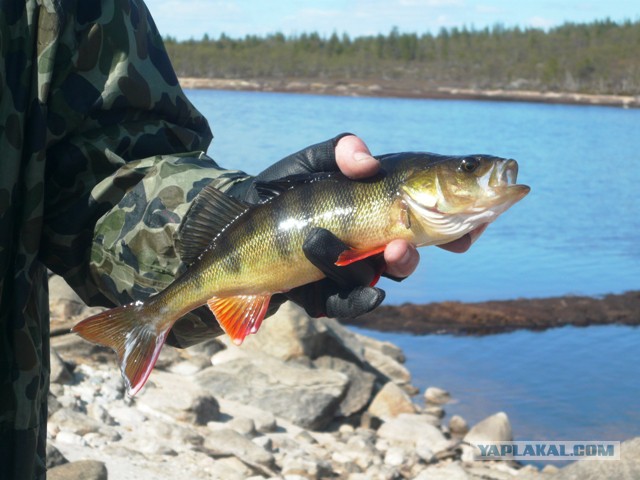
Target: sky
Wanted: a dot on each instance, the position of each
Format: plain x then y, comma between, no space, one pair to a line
185,19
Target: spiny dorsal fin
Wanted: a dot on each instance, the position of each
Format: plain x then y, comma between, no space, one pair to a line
211,212
272,188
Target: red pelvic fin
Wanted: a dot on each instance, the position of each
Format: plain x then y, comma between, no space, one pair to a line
355,254
133,337
240,315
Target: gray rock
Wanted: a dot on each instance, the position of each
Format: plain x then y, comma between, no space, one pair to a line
390,402
387,368
307,397
409,428
229,442
54,457
627,468
244,426
443,471
306,466
434,410
229,468
264,421
290,334
73,422
60,373
175,397
386,348
64,303
80,470
458,425
436,396
360,384
495,428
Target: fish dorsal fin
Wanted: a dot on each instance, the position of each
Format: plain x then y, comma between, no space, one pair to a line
272,188
240,315
211,212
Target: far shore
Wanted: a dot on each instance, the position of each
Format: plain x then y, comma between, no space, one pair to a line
485,318
404,89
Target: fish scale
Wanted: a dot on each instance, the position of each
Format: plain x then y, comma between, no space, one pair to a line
250,253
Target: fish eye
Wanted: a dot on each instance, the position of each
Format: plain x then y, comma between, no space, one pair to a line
469,165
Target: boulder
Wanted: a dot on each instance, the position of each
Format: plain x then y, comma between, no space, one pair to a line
360,384
443,471
386,348
390,402
80,470
458,425
60,373
291,333
307,397
54,457
176,397
386,367
495,428
225,442
436,396
627,468
411,428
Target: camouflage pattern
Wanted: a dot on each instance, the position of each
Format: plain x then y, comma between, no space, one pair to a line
94,183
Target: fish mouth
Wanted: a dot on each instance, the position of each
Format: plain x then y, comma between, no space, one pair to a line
503,182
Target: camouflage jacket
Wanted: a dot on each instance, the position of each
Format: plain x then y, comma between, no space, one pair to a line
94,182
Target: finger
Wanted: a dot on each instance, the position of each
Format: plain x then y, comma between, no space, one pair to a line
460,245
354,158
402,258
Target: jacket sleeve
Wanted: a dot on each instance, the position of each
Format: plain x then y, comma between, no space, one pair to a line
118,180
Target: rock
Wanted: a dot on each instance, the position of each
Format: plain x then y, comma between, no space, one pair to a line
175,397
410,428
627,468
550,469
80,470
264,421
436,396
395,456
387,368
458,425
229,468
424,451
64,303
305,466
443,471
73,422
290,334
390,402
244,426
370,421
495,428
386,348
434,410
54,457
230,442
307,397
360,384
60,373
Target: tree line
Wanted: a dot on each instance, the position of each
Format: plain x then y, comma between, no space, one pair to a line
598,57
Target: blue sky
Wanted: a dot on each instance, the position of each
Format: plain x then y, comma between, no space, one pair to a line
186,19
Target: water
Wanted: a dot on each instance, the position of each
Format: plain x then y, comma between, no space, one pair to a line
576,233
567,383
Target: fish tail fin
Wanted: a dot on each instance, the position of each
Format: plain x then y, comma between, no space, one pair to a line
128,331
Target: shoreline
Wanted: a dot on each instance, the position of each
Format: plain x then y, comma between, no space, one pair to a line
503,316
406,89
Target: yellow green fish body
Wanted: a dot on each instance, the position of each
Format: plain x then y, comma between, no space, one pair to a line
254,252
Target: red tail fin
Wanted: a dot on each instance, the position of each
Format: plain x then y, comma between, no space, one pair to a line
136,342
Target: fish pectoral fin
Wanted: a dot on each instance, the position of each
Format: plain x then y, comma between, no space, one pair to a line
240,315
356,254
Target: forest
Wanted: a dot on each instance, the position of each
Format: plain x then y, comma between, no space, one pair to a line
601,57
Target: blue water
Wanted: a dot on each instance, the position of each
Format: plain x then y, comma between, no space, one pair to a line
578,232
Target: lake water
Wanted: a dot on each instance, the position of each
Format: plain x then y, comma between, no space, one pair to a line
578,232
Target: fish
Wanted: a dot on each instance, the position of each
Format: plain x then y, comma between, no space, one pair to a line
239,255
